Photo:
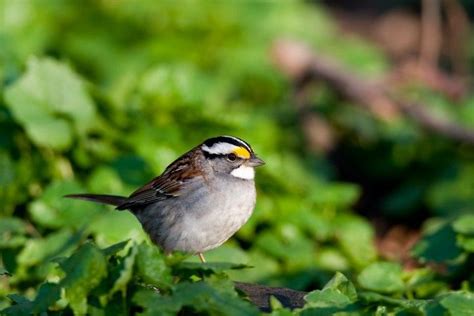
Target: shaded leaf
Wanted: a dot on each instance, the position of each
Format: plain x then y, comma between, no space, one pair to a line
48,294
4,271
439,245
215,298
22,306
187,269
12,232
84,271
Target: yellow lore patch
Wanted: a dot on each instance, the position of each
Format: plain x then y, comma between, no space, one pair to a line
242,152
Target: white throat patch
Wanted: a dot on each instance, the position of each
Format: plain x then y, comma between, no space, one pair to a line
244,172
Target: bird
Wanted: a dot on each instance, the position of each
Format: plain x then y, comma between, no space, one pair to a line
199,201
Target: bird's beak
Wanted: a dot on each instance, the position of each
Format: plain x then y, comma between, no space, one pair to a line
255,162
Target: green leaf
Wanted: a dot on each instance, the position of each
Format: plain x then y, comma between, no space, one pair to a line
126,266
12,232
84,271
53,210
338,292
112,250
356,238
48,89
111,227
155,304
48,294
439,245
4,271
340,283
379,299
464,224
51,132
459,303
22,306
215,297
38,250
385,277
339,195
187,269
151,266
467,243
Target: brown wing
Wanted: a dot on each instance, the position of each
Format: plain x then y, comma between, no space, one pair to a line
167,185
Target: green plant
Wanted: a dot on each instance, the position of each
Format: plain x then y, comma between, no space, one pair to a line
98,96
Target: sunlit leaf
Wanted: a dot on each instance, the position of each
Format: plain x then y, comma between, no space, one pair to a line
48,89
385,277
458,303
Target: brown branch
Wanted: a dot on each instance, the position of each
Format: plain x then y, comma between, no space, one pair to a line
430,41
260,295
458,28
297,61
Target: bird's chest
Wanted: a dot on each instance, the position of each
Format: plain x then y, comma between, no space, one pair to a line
203,219
226,206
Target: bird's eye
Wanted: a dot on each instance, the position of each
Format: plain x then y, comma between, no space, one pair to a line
231,157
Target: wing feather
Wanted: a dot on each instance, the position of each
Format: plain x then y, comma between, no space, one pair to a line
167,185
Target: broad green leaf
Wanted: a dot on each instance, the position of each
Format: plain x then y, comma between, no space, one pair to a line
466,243
188,269
155,304
112,250
12,232
459,303
126,273
385,277
215,297
50,131
48,294
464,224
455,194
4,271
38,250
48,89
53,210
22,306
84,271
372,298
340,195
438,245
356,238
340,283
112,226
338,292
151,266
327,298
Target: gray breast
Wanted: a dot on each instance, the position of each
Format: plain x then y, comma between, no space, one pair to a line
203,217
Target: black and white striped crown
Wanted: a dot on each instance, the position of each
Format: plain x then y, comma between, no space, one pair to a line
224,145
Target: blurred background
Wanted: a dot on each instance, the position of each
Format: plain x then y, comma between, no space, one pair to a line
363,111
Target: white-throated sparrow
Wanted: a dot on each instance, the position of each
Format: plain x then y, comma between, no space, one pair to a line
199,201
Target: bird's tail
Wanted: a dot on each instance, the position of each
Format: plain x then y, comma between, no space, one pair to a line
99,198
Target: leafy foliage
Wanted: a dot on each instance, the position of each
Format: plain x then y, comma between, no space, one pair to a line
99,96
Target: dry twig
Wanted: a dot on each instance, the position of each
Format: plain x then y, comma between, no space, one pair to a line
297,61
